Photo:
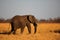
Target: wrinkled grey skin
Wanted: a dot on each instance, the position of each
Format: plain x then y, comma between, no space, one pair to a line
23,21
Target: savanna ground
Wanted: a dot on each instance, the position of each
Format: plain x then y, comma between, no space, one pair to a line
43,32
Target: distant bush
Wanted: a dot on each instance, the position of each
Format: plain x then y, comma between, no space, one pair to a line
8,20
55,20
42,21
2,19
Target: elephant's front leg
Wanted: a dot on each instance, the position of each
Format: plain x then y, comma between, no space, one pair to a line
29,27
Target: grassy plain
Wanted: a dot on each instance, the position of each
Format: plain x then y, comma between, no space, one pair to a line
43,32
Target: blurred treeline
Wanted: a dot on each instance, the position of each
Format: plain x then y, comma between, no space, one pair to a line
50,20
2,20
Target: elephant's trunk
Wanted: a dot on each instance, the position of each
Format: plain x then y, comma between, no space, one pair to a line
35,27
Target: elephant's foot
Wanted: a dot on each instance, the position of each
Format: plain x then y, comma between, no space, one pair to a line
14,33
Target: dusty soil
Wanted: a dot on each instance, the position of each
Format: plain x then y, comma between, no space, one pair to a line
43,32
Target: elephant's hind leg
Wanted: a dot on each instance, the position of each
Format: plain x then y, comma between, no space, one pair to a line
14,32
15,28
22,29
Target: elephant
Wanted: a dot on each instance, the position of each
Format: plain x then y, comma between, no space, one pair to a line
21,22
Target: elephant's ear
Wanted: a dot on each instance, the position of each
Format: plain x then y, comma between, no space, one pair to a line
33,19
29,19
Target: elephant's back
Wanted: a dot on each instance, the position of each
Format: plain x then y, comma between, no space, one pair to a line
19,18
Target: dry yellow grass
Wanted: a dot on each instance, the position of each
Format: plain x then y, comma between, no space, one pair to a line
43,32
5,27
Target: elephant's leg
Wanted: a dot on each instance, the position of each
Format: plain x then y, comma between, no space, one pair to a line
12,28
15,28
29,27
35,27
22,29
14,32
